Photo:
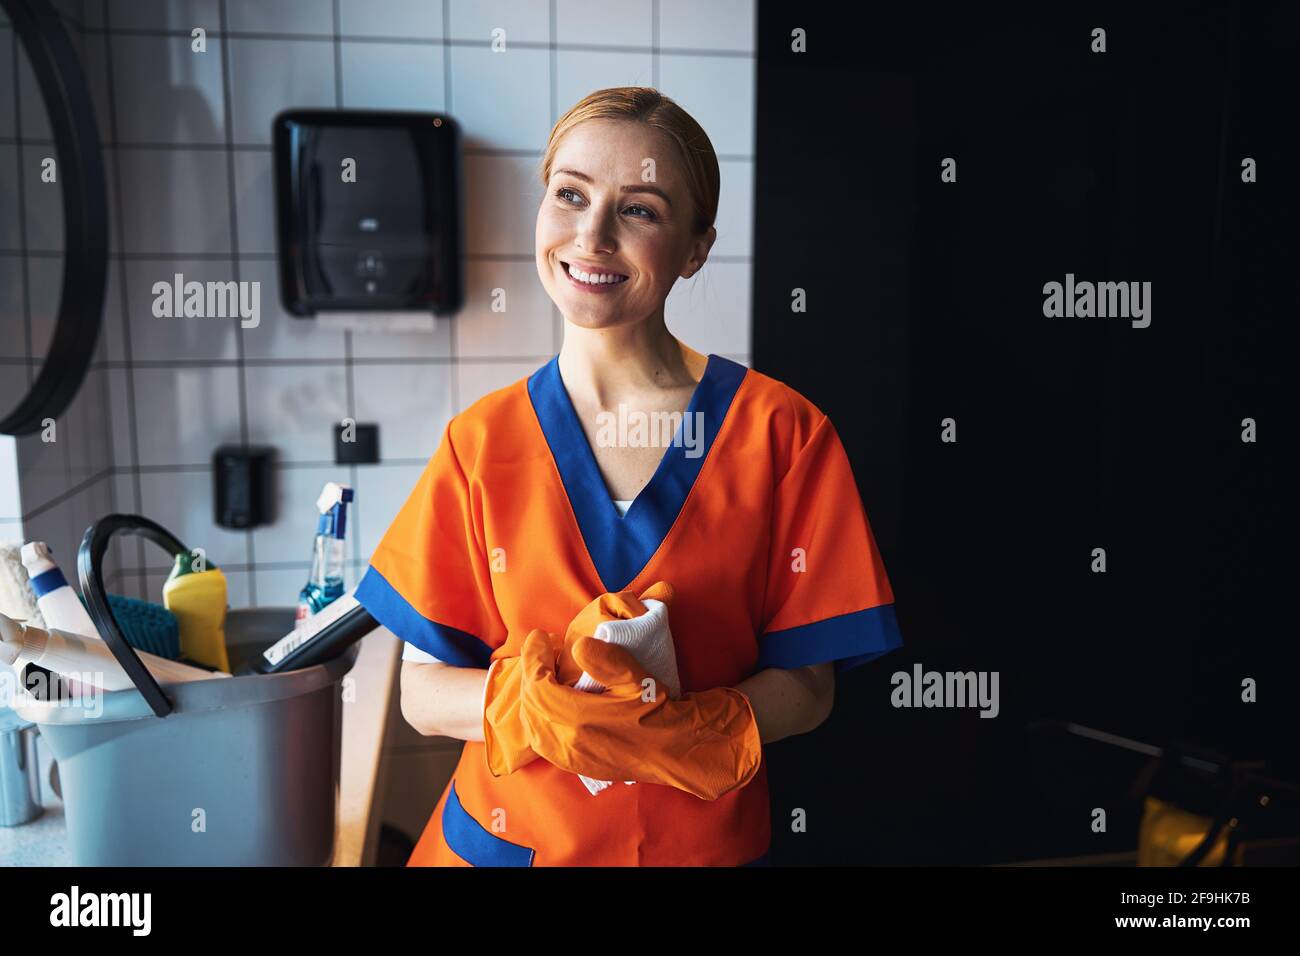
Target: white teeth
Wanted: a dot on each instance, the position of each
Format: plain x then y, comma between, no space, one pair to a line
602,279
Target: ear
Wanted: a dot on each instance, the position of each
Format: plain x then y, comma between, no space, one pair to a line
699,252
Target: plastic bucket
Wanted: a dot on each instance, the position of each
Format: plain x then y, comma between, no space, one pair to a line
232,771
244,771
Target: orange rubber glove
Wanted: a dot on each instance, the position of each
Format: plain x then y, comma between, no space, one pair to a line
505,738
706,742
610,606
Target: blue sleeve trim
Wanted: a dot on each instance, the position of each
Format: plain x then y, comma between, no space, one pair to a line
848,639
387,606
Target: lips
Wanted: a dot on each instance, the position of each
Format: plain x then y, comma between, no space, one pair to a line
592,277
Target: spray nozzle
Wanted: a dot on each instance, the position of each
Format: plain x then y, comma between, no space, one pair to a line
333,494
332,505
34,552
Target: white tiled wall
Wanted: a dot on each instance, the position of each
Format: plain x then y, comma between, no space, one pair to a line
188,153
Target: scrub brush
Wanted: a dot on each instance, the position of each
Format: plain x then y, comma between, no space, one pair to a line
147,626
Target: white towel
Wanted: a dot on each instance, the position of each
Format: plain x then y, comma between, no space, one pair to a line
17,599
648,639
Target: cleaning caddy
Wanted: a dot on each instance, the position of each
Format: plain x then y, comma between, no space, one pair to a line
240,771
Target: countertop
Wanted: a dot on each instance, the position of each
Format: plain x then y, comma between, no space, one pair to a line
43,841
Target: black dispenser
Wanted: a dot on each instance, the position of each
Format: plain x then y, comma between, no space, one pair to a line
370,211
243,489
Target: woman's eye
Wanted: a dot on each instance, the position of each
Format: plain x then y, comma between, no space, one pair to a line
572,196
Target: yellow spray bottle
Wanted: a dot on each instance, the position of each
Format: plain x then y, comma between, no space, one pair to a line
195,592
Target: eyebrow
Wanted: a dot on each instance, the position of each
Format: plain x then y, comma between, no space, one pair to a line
641,188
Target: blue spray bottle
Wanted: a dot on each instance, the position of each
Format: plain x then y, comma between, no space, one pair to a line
326,582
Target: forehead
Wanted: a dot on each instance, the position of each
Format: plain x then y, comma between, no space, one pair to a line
616,150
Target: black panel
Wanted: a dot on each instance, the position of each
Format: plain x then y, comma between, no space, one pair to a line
925,301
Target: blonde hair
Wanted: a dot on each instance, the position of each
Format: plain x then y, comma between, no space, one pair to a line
644,104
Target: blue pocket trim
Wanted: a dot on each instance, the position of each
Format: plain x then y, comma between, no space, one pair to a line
475,845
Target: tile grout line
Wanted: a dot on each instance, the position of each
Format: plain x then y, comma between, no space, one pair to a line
271,256
471,43
430,360
125,304
348,373
316,362
68,494
291,463
106,388
338,56
22,209
227,96
453,344
62,447
504,152
557,321
654,43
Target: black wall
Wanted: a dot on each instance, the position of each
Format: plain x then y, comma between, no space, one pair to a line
925,301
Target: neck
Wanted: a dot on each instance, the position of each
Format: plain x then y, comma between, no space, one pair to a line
603,366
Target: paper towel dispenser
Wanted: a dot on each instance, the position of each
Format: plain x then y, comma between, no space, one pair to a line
370,211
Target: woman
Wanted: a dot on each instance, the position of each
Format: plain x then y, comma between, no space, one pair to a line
528,511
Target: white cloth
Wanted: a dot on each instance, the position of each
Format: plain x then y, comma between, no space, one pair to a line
650,640
17,599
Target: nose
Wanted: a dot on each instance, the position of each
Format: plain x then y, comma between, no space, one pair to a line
596,230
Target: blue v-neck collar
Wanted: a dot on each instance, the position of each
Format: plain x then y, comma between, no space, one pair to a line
621,546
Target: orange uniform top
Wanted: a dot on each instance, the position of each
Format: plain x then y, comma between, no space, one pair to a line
752,515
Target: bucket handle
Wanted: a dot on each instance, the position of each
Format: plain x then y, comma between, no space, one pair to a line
90,557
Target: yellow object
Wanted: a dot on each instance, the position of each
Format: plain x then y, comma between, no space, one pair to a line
1168,834
198,599
705,743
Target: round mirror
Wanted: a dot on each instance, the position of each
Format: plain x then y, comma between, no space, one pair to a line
53,218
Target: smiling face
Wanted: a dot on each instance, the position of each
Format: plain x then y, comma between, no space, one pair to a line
610,244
